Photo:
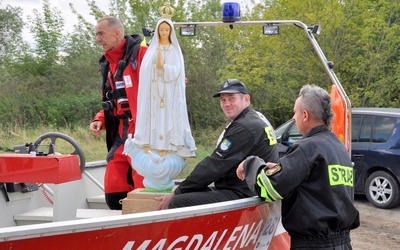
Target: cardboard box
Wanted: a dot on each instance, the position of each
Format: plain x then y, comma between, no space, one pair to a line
139,200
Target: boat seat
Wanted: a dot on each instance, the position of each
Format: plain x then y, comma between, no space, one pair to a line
45,214
97,202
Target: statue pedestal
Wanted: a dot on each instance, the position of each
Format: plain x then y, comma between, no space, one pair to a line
140,201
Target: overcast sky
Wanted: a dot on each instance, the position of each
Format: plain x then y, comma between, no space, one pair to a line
63,5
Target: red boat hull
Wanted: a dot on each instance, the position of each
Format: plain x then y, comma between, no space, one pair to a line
252,227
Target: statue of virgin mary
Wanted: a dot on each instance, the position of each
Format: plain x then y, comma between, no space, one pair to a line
163,137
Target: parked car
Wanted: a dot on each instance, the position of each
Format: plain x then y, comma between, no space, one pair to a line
375,152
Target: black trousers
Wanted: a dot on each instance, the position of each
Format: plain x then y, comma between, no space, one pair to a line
344,246
335,241
205,197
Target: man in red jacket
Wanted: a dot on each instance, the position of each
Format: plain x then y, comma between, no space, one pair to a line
120,66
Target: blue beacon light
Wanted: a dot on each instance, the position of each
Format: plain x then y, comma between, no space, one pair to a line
230,12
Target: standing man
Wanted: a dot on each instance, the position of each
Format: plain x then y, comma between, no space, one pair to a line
249,133
314,179
119,66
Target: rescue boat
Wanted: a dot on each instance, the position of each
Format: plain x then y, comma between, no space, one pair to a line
56,201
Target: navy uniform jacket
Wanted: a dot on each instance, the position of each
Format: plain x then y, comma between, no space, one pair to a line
249,134
316,187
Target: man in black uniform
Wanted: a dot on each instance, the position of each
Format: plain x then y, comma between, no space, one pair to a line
249,133
314,179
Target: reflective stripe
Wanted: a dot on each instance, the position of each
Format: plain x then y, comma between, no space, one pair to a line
340,175
263,191
267,190
271,135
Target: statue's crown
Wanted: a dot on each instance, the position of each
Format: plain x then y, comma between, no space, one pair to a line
167,11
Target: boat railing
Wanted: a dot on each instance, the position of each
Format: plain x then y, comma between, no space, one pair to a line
94,164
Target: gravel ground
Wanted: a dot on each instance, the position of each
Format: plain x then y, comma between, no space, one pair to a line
379,229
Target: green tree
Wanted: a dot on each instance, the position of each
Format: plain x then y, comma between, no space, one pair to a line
11,26
47,30
274,67
372,41
360,37
62,74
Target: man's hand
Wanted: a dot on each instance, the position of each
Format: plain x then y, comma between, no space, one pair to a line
95,127
270,164
240,171
164,201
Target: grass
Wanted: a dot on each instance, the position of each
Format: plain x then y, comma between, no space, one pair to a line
201,153
93,147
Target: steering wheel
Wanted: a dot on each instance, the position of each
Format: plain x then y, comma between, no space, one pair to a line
65,144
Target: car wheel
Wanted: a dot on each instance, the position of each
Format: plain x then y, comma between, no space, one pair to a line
382,190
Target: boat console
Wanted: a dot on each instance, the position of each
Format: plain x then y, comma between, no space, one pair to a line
54,169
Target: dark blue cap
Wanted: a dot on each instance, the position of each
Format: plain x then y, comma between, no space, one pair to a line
231,86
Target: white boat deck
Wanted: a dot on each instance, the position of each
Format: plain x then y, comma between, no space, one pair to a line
45,214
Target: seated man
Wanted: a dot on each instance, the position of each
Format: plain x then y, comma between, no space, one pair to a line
249,133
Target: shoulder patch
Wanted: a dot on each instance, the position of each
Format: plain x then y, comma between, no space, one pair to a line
225,144
271,135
